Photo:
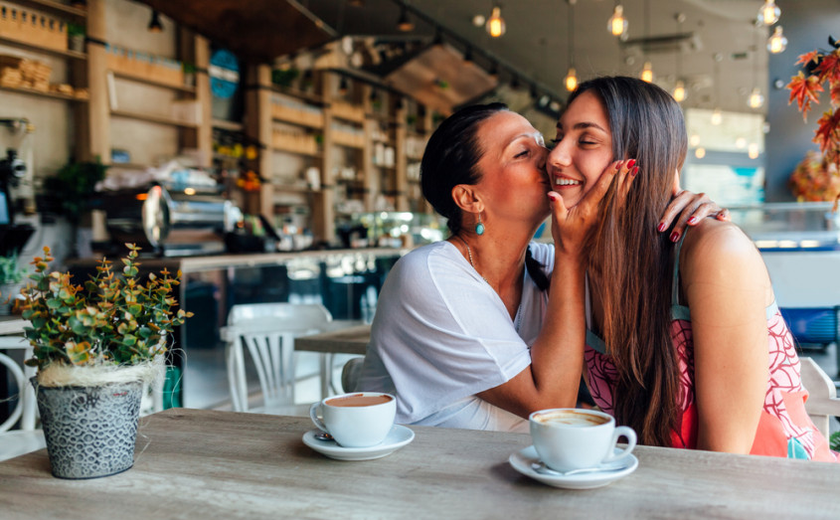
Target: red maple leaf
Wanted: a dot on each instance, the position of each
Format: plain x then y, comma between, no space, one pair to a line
829,68
806,58
828,133
804,91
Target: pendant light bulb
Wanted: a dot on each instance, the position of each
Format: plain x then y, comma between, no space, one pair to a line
496,24
752,151
155,25
717,117
777,43
404,24
769,13
679,91
571,80
700,152
617,24
756,100
647,72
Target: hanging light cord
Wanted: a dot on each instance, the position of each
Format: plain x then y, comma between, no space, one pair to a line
571,34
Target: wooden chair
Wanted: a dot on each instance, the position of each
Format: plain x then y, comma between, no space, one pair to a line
27,438
822,401
267,332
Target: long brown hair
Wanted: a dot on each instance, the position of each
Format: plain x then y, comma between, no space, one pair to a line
635,262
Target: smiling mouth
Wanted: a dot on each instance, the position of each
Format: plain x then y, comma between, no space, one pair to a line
560,181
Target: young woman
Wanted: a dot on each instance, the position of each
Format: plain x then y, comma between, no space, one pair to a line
685,342
466,332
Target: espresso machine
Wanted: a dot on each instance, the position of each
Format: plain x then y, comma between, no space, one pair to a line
170,221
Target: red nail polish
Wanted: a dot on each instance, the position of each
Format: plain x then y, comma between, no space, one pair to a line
692,220
660,228
634,171
553,197
675,236
631,163
618,166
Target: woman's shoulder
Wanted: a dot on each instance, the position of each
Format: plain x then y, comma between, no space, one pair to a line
714,244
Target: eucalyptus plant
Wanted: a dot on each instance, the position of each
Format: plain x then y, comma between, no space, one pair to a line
110,320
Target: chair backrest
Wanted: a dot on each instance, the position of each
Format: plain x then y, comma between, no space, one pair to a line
26,408
267,331
822,395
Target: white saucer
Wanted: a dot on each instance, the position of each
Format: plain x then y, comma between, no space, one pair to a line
398,437
522,460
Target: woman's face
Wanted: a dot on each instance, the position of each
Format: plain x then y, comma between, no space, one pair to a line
514,181
582,150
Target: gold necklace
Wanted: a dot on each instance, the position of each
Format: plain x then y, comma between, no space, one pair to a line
517,317
469,255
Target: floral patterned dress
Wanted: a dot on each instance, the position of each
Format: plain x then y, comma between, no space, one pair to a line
784,429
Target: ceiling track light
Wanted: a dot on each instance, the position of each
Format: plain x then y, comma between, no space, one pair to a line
777,43
155,24
769,13
617,24
404,24
717,115
496,24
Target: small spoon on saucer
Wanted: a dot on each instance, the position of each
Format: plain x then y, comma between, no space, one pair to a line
321,435
541,468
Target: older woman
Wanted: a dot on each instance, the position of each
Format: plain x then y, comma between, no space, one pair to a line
467,332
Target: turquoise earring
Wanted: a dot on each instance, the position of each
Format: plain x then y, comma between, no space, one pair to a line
479,228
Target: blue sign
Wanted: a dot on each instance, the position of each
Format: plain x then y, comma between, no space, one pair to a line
224,74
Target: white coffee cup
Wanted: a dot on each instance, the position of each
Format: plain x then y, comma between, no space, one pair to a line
573,438
356,420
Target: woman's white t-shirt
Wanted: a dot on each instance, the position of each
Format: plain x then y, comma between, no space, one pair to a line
441,335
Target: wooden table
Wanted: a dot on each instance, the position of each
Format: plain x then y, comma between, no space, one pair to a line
346,337
209,464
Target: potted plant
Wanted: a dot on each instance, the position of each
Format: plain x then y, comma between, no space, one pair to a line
76,37
94,346
189,70
10,278
821,67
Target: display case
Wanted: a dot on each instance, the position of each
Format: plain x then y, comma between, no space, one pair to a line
391,229
790,226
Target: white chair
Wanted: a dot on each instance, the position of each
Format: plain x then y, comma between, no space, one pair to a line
267,331
25,439
351,373
822,403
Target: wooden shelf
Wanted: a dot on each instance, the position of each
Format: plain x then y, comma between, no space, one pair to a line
55,8
289,150
44,50
292,189
153,82
41,93
299,94
232,126
149,118
290,121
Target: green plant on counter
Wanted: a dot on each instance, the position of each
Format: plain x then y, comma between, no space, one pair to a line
10,273
834,441
74,29
74,185
111,320
284,78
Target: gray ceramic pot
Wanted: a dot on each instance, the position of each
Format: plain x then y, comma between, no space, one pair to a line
90,431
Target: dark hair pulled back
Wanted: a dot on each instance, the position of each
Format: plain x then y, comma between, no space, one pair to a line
451,158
